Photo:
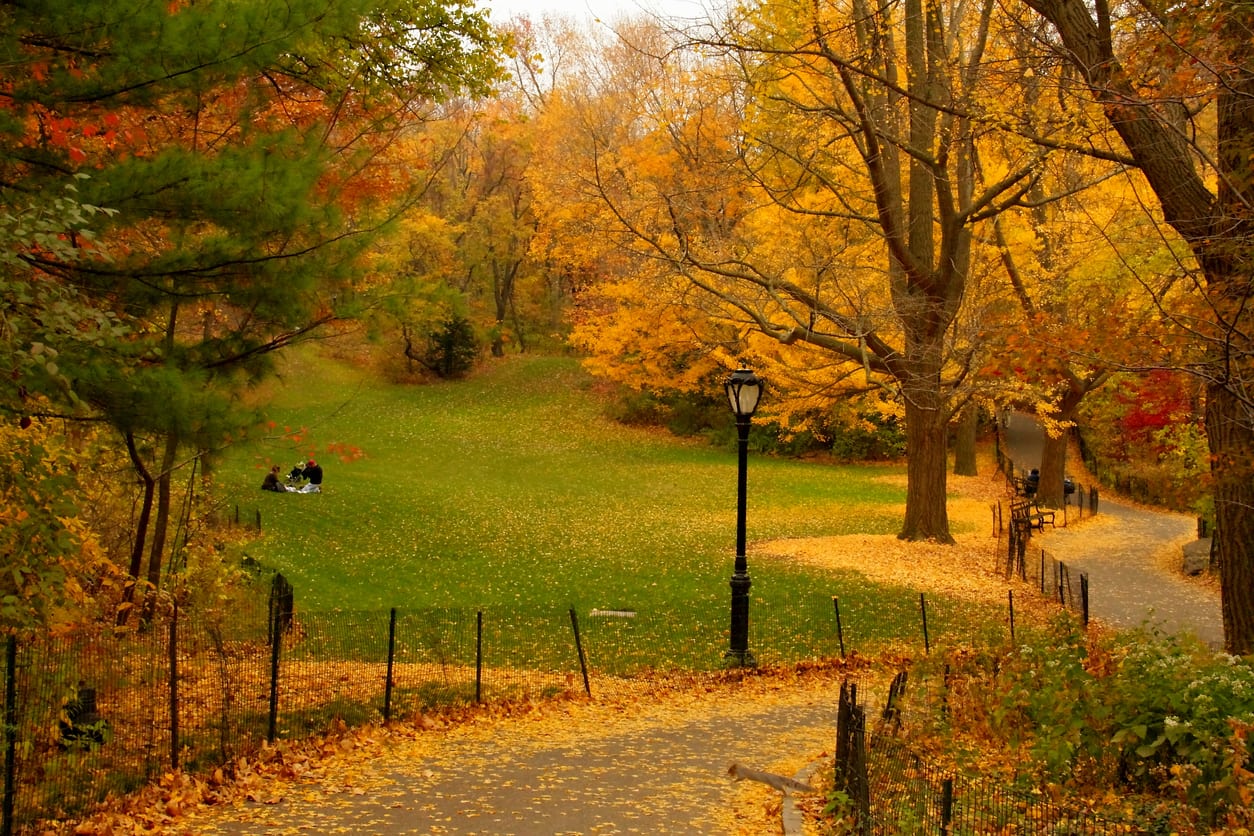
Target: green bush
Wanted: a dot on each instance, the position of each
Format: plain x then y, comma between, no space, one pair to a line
452,348
1154,714
879,438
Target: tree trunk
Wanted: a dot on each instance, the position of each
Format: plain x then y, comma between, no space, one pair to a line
927,516
965,441
161,526
141,530
1231,441
927,451
1050,492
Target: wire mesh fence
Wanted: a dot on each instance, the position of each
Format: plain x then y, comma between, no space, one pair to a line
97,712
890,789
910,795
1039,570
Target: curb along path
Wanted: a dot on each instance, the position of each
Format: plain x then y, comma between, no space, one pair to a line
1128,584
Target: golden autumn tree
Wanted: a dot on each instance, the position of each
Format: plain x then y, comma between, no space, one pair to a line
813,173
1079,255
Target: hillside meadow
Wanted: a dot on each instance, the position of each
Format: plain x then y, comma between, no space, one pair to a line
514,490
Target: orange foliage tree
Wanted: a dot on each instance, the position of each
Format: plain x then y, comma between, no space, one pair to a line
1159,73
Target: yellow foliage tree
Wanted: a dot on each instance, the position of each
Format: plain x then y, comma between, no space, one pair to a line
811,181
54,564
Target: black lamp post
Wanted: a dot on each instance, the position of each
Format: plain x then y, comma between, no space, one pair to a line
744,388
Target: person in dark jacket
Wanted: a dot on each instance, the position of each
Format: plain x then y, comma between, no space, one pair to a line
312,472
272,483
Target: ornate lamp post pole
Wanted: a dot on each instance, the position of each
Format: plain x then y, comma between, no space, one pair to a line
744,388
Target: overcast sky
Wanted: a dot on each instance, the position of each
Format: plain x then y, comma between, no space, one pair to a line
605,9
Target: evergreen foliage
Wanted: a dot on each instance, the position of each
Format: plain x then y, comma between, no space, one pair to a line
240,150
453,347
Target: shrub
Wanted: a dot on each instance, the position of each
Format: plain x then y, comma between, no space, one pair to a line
1155,714
452,348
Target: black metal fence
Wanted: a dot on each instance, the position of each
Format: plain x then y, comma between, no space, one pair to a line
890,789
90,713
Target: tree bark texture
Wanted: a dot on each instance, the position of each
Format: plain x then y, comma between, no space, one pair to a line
927,515
965,441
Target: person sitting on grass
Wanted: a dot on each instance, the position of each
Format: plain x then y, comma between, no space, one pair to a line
312,472
272,483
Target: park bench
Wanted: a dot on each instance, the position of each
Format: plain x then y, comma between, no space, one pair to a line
1031,515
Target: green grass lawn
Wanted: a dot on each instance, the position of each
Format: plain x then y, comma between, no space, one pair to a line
513,490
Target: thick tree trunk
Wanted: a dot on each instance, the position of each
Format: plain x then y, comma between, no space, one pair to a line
1054,451
1049,490
1231,438
965,442
1229,290
927,516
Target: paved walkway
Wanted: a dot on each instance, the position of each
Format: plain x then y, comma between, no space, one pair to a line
571,770
1128,586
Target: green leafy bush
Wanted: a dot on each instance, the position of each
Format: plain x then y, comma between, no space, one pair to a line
1155,714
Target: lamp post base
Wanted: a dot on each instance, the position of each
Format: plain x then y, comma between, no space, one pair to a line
739,659
738,653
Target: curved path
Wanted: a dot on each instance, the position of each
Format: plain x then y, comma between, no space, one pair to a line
1130,582
657,767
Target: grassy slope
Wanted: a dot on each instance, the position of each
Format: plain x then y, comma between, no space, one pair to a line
513,488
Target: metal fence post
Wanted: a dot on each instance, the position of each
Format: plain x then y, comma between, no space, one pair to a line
387,687
583,662
927,645
840,633
479,656
1011,595
276,645
174,688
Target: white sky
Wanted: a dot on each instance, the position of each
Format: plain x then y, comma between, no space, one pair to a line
606,10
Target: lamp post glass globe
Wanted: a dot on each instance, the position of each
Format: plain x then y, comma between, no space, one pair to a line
744,389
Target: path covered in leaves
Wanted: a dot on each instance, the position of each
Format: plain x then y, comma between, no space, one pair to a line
654,766
1130,555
